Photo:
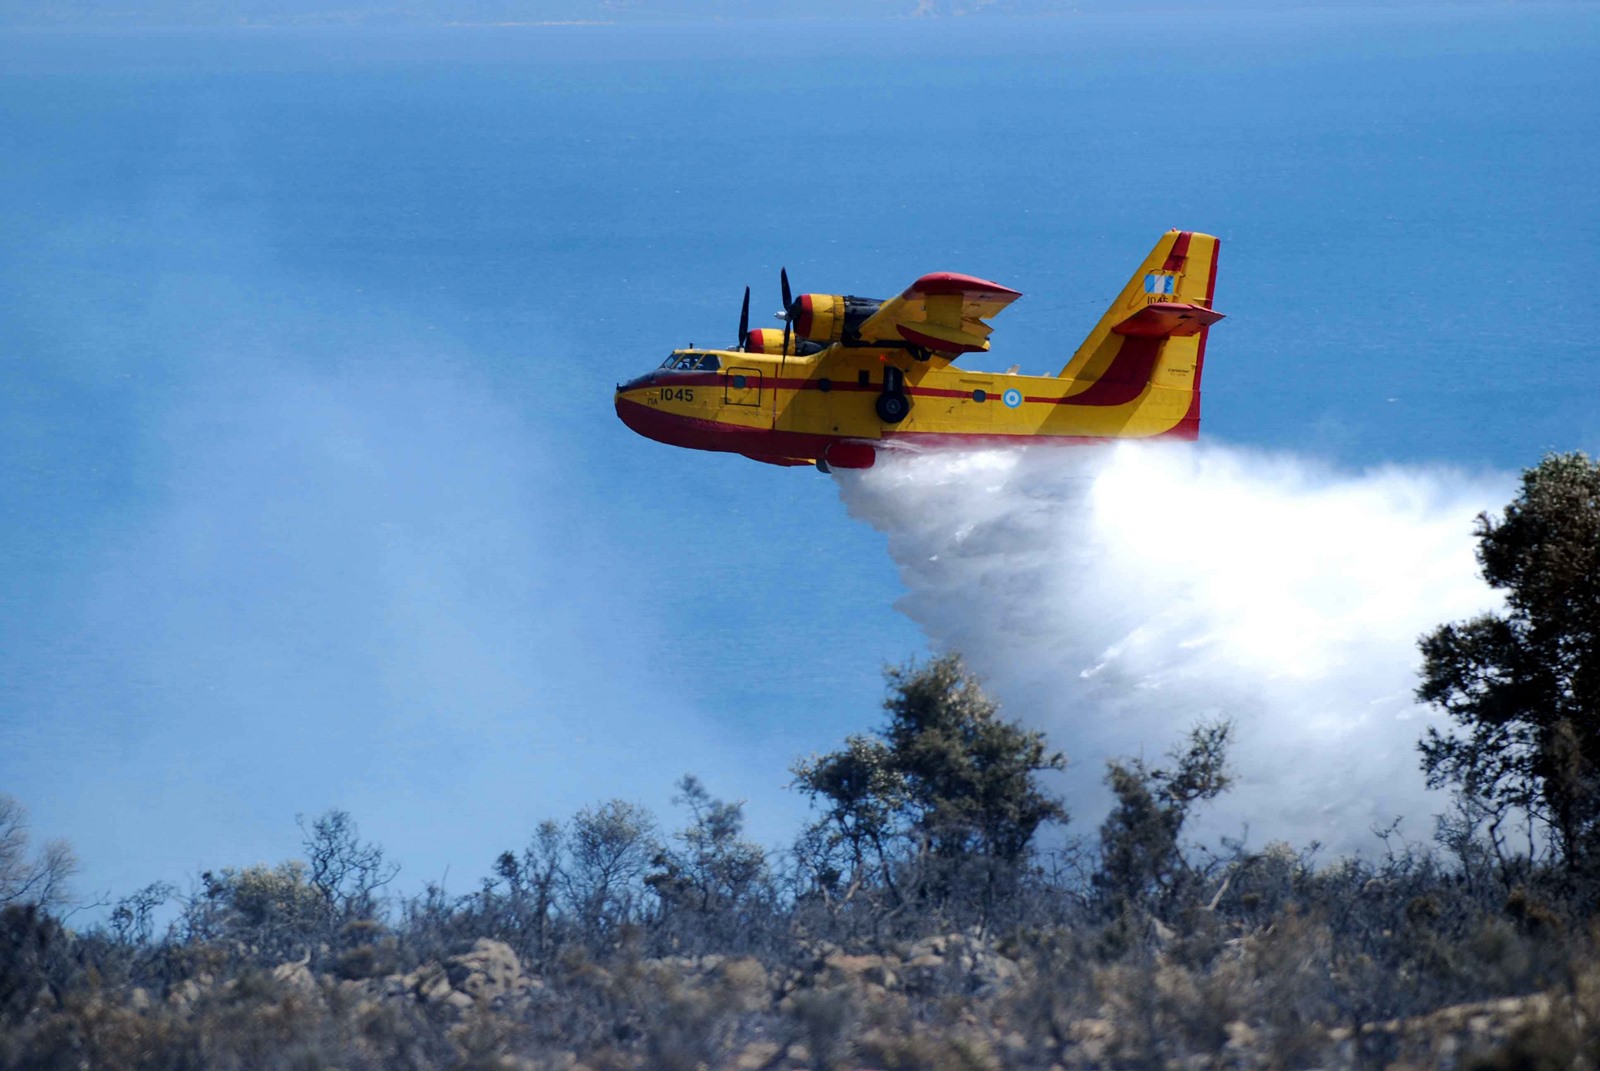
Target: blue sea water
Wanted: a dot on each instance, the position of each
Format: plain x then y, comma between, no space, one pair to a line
310,490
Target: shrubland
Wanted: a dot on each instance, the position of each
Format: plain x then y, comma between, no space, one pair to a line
939,911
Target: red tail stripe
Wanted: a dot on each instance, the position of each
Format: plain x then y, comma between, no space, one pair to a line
1179,254
1191,420
1126,377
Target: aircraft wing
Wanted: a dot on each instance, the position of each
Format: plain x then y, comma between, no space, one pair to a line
943,312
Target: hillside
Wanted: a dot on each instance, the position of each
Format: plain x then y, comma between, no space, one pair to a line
931,915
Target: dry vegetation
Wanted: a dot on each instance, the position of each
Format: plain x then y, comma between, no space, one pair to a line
916,923
1262,961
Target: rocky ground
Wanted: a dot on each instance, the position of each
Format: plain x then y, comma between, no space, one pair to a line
944,1002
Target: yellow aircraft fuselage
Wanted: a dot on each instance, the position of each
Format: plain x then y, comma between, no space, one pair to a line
1137,375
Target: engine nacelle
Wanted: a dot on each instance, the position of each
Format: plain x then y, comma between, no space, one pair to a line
766,340
770,340
830,318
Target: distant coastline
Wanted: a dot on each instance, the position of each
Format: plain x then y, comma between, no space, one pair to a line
288,14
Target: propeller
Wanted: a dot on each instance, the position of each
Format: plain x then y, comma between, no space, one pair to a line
744,322
788,309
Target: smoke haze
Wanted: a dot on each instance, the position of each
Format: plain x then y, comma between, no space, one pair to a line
1115,596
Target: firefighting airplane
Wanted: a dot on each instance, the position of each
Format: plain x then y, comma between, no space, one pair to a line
847,375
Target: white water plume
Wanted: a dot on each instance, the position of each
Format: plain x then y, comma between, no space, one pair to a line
1116,596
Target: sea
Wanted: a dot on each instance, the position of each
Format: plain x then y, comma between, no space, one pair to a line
311,492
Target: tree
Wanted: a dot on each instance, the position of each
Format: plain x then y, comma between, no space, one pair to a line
947,778
968,773
716,868
864,799
531,884
1141,854
609,848
38,879
269,913
1523,687
345,872
712,884
299,907
133,918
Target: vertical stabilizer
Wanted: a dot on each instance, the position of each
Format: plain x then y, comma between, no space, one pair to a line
1154,333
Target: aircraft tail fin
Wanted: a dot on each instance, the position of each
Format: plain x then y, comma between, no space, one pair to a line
1154,333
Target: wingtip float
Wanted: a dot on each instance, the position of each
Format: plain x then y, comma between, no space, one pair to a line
846,376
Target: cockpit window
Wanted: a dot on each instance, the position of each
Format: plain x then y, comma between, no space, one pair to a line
692,362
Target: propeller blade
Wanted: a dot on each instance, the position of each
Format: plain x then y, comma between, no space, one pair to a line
788,309
744,321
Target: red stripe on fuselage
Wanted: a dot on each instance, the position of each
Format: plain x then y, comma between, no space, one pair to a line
1096,396
1122,382
698,434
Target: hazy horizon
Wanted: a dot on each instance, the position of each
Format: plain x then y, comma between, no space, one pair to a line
178,14
315,498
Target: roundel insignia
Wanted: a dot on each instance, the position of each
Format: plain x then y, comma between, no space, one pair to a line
1012,398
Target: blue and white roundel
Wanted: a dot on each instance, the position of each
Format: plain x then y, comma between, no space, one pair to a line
1012,398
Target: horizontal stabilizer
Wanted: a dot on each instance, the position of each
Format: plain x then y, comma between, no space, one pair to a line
1167,319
